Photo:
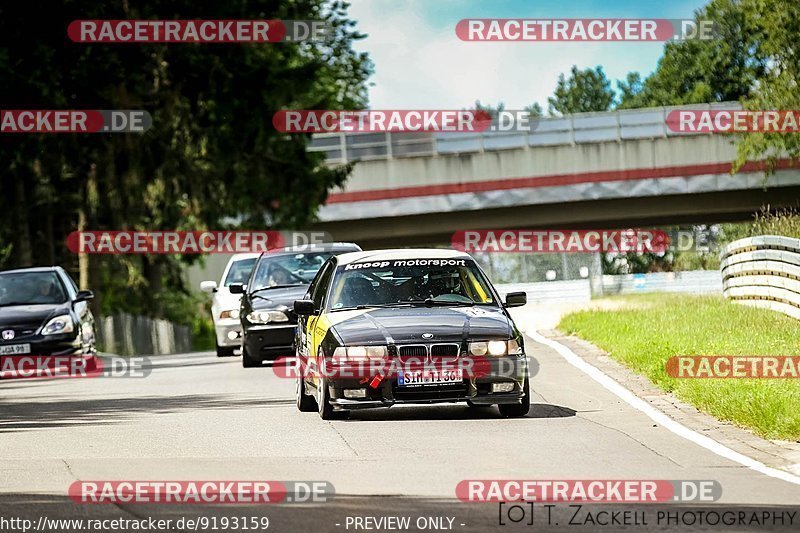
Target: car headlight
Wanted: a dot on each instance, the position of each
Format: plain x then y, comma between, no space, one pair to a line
231,313
359,353
265,317
58,324
495,348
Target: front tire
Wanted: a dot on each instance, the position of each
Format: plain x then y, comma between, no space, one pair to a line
246,361
324,407
224,352
519,409
305,403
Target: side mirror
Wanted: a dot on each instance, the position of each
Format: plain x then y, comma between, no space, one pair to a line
83,296
236,288
208,286
304,307
516,299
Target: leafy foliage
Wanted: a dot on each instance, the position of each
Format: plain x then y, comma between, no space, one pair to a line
778,25
584,91
211,157
784,222
752,59
699,71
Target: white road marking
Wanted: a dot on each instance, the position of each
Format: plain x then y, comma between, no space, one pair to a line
657,416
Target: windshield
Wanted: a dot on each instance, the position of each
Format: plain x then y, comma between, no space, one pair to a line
239,271
289,269
443,281
20,288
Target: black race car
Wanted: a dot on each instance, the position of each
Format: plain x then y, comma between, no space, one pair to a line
42,312
276,281
408,326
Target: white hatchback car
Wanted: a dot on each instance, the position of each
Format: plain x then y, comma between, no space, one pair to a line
225,306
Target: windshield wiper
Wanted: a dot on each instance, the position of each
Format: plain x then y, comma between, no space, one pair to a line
276,287
430,302
368,306
408,303
9,304
395,304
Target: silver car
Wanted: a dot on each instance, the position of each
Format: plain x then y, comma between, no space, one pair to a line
225,305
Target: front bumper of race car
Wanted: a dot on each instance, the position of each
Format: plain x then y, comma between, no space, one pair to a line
370,391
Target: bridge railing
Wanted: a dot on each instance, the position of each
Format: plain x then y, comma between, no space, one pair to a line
763,271
581,128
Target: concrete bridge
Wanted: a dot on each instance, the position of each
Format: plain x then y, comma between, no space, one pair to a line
614,169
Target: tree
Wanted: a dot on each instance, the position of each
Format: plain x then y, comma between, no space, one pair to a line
699,71
584,91
753,59
211,155
492,110
777,26
535,110
630,88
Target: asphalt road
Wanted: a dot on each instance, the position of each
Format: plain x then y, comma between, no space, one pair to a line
197,417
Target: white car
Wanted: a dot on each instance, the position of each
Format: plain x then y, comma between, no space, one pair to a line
225,306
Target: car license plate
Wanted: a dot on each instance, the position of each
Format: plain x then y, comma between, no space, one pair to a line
15,349
429,377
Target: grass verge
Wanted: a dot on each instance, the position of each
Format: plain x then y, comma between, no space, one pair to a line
644,331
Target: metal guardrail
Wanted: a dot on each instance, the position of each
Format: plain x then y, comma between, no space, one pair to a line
581,128
582,290
763,271
125,334
692,282
550,291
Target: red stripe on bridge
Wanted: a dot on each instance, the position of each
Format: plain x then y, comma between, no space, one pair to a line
549,181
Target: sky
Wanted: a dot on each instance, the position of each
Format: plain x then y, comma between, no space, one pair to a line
421,64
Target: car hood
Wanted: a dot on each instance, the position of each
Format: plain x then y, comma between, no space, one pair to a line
31,314
281,297
226,300
407,325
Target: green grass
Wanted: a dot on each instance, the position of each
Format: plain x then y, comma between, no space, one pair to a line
646,330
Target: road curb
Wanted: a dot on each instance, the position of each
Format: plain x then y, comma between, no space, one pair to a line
782,455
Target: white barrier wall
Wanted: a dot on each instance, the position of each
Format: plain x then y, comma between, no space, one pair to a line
550,291
763,271
691,282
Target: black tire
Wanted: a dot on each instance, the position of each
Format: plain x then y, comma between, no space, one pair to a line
224,352
520,409
246,361
324,407
305,403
